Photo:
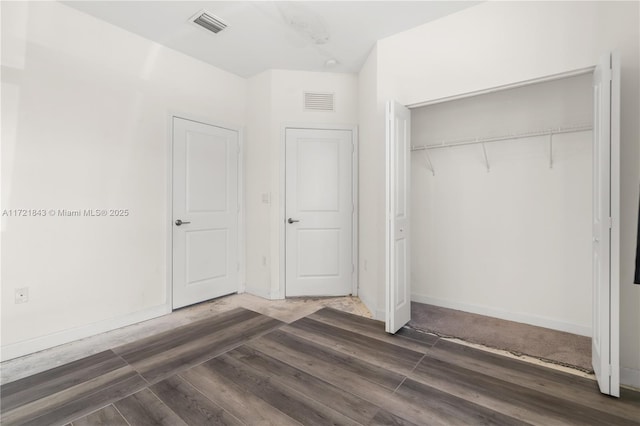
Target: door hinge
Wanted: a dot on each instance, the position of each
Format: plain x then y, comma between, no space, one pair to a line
610,223
238,266
610,370
353,268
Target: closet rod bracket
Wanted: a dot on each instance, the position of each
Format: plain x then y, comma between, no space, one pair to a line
486,158
551,150
429,163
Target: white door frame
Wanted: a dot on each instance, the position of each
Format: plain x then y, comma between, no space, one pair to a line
169,205
280,293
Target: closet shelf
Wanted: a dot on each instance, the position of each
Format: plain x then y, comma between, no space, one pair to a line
547,132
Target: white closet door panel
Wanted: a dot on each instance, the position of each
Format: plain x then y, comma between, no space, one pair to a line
606,299
398,150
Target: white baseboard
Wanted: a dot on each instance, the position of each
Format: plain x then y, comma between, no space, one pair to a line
277,295
260,292
506,315
30,346
630,377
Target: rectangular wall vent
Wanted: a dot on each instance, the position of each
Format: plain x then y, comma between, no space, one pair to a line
209,21
314,101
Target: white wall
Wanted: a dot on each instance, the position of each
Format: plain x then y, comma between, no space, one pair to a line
514,242
84,126
501,43
278,95
372,183
258,147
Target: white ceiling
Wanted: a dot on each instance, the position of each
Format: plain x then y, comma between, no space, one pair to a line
261,35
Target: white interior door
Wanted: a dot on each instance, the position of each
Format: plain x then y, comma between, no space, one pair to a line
606,299
205,212
319,212
398,152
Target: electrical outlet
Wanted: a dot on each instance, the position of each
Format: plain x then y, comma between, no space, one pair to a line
22,295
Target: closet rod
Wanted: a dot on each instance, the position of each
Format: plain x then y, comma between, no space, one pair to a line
504,138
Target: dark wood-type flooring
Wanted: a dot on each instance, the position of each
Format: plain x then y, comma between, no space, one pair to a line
331,367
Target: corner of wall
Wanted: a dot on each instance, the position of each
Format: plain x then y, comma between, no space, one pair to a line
371,178
630,377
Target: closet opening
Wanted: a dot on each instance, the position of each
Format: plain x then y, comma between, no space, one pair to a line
501,219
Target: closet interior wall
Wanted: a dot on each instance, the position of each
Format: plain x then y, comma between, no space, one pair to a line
504,228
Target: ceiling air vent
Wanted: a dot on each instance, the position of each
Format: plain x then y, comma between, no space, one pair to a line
209,21
314,101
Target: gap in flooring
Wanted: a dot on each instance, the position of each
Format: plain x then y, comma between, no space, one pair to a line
547,345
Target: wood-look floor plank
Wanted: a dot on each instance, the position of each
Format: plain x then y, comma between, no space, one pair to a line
506,397
369,323
346,403
349,321
370,328
352,365
162,342
386,355
409,410
425,338
324,368
291,402
77,401
191,353
552,382
454,410
188,403
145,408
630,397
385,418
243,405
107,416
49,382
349,382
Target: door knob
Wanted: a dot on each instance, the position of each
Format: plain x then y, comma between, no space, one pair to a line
180,222
292,220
